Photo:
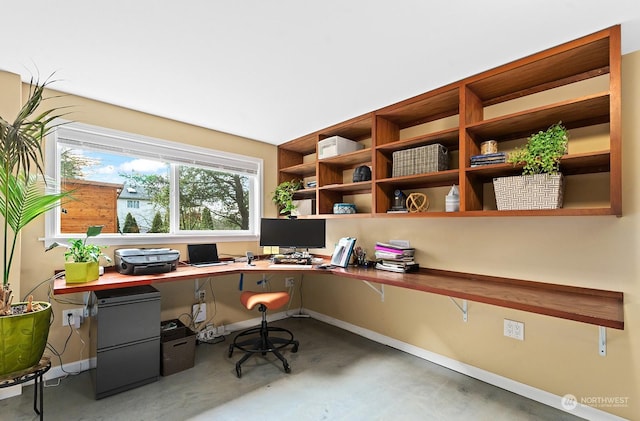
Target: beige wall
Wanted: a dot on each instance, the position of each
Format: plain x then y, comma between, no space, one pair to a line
10,103
558,356
177,298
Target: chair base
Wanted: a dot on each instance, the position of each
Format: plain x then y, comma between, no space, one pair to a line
262,344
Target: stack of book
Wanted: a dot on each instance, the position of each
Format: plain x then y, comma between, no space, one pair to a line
488,159
395,258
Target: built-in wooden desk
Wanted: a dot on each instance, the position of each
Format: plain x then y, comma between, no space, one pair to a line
598,307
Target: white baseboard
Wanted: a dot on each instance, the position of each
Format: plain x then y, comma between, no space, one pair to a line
518,388
10,392
75,367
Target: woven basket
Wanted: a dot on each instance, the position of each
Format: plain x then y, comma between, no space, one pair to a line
529,192
420,160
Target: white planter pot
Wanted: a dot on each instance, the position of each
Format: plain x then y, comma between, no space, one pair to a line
529,192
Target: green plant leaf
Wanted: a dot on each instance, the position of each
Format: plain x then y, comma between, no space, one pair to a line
94,230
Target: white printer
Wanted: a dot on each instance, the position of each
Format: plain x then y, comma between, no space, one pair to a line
142,261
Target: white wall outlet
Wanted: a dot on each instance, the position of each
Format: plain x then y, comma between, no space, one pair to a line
289,282
513,329
72,316
199,312
200,295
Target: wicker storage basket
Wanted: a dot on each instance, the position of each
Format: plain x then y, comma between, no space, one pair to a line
420,160
529,192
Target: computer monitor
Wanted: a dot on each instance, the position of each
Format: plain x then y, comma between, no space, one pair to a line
293,233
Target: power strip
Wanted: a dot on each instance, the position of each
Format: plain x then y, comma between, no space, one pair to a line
211,332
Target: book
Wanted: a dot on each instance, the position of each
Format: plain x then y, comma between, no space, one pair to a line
394,252
399,269
487,159
393,246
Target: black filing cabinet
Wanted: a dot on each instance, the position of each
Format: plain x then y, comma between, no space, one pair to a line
125,338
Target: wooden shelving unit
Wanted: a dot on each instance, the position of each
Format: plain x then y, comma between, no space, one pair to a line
577,83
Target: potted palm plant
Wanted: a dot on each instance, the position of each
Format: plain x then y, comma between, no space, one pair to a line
24,327
541,184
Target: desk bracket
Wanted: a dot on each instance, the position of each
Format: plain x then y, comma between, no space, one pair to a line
463,308
602,341
379,291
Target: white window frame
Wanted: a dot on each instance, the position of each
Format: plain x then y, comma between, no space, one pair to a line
108,140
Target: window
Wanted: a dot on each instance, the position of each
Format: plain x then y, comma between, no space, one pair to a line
145,190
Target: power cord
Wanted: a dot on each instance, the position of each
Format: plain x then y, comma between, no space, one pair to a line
55,352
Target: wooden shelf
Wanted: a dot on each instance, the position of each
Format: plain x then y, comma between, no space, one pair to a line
443,102
593,306
350,159
302,170
577,60
357,128
581,112
430,118
448,138
432,179
351,188
586,163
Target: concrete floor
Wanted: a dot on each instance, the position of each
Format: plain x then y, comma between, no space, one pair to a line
336,375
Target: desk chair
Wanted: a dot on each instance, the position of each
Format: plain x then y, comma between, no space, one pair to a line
262,342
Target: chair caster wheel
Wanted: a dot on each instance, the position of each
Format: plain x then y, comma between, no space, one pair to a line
295,348
287,369
230,351
238,371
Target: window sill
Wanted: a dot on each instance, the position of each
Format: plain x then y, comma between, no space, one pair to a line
151,239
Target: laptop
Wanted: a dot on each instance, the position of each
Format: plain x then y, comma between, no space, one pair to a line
202,255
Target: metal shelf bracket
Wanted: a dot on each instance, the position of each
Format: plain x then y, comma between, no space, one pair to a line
379,291
463,308
602,340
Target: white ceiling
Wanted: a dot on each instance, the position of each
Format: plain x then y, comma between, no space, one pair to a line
275,70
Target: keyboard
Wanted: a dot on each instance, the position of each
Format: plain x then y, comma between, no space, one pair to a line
286,266
204,265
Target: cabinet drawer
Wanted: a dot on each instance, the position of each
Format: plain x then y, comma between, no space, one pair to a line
129,322
126,367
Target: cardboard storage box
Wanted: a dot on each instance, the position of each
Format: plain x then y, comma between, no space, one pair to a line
336,145
420,160
178,345
304,207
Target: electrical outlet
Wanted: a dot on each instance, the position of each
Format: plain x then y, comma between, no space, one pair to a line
199,312
288,282
72,316
513,329
200,295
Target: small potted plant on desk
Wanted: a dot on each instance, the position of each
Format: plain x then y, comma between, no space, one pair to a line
541,184
83,259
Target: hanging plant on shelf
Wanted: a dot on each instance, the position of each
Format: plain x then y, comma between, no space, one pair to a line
283,195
